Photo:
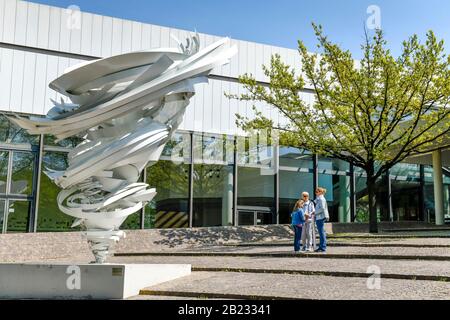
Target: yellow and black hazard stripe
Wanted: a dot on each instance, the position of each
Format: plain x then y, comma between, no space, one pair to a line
171,219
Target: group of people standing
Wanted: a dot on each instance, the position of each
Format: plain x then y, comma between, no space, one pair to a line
305,215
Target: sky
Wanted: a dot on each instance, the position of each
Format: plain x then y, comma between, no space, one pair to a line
283,22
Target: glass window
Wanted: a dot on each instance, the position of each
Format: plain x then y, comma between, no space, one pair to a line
2,215
292,184
295,176
133,222
405,188
69,143
256,187
22,173
213,180
177,149
295,158
17,215
333,166
169,208
10,133
447,194
337,196
255,150
429,194
50,218
213,195
213,149
362,197
4,160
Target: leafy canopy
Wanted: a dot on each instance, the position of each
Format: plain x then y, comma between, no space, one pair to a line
373,113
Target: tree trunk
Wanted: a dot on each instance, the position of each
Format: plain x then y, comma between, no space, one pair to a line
373,219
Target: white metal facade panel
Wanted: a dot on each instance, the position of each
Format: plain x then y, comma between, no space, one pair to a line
24,76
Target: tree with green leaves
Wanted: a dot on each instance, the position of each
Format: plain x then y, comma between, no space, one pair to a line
373,113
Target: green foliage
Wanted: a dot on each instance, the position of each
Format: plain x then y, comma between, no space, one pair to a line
373,113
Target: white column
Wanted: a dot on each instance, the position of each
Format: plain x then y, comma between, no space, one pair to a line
344,199
438,188
227,200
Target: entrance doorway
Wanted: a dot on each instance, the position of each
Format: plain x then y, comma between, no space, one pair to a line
253,216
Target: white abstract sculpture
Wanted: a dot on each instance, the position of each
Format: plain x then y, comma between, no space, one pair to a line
125,108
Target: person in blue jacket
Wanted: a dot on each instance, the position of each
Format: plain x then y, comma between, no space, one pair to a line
321,217
298,219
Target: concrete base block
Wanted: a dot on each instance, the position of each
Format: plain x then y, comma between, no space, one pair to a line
88,281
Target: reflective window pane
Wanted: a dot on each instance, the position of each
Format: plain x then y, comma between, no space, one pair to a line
256,188
295,158
333,166
213,195
133,222
255,150
169,208
4,160
213,149
2,215
50,218
295,177
177,149
337,196
69,143
10,133
362,198
22,173
429,194
405,188
292,184
17,216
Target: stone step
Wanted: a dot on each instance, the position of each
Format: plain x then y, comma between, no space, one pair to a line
241,285
417,229
349,252
287,255
345,244
395,269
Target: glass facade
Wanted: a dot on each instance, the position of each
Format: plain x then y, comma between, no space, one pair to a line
50,218
207,180
212,180
170,177
295,176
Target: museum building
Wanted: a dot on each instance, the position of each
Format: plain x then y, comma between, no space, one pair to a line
211,173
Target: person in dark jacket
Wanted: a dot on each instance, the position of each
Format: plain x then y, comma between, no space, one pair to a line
297,221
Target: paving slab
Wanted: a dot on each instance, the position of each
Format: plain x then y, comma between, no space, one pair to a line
280,286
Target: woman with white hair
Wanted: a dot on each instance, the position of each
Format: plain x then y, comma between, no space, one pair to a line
307,232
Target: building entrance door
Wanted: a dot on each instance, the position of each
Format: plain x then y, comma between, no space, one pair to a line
253,216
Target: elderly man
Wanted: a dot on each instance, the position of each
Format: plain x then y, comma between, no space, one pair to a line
307,232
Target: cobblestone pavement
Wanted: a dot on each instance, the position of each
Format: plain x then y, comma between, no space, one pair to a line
399,267
302,287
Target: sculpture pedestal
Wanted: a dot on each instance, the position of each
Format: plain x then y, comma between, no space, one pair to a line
86,281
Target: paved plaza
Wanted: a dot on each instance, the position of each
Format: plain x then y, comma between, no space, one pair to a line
259,262
410,268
